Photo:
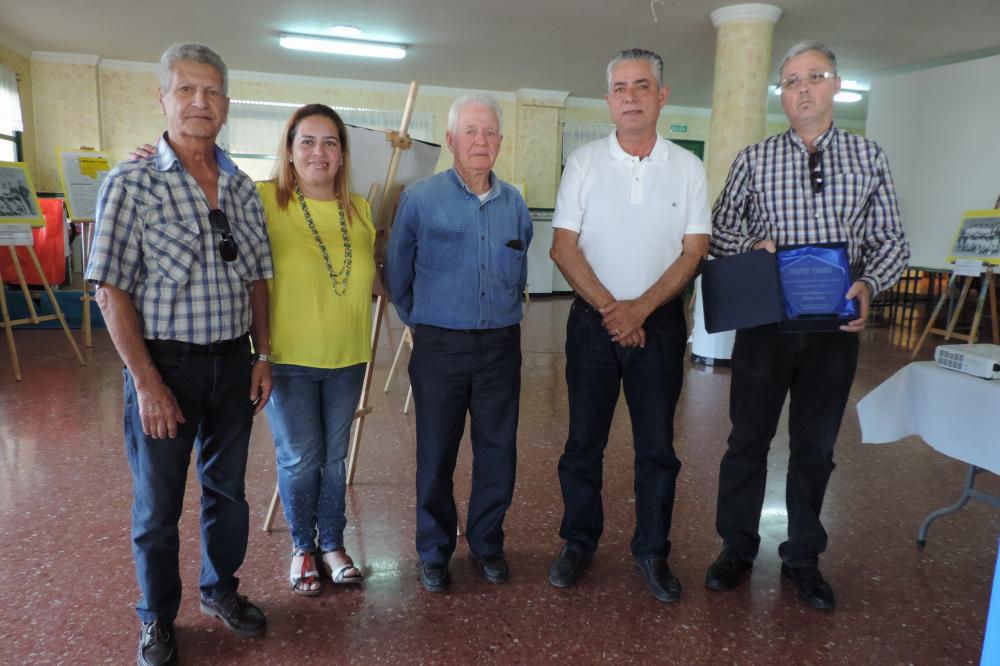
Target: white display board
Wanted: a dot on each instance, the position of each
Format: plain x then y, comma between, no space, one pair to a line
370,155
940,128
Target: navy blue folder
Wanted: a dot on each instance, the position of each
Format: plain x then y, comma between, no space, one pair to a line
741,291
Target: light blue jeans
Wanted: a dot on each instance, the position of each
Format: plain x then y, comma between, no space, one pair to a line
310,413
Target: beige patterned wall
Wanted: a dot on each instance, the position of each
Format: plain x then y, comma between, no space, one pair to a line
739,94
130,110
131,113
66,114
538,159
21,66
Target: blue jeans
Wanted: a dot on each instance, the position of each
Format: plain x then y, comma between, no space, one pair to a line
455,373
212,393
597,370
310,412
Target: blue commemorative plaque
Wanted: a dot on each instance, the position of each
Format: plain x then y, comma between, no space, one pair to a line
814,282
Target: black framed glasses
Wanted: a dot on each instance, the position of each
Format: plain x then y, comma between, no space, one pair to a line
227,246
816,171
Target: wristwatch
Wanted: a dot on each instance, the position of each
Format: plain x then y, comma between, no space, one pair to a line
269,358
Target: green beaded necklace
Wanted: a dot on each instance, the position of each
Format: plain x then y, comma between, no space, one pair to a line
337,278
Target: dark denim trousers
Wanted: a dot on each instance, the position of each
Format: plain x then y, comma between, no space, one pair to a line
597,369
817,370
454,373
213,394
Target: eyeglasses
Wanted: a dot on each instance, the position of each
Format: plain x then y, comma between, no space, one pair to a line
227,246
816,171
812,78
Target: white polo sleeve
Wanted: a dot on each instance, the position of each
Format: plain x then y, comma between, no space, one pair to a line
569,201
699,219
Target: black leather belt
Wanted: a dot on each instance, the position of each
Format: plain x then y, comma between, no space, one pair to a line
220,348
471,331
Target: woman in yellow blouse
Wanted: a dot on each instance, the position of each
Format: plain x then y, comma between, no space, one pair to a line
322,243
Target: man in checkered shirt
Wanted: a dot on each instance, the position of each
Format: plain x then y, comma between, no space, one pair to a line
181,258
813,184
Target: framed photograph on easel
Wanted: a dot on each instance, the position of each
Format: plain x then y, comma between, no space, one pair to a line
18,203
978,237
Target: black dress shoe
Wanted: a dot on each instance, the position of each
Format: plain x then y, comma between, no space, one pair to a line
566,568
157,644
241,616
728,570
434,576
809,583
494,568
662,583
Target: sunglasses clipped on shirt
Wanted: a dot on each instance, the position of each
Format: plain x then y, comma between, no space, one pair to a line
227,246
816,171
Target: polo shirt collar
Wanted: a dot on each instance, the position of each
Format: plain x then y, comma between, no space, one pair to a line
658,154
166,158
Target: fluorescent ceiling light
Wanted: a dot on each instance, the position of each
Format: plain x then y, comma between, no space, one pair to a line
342,46
848,97
345,31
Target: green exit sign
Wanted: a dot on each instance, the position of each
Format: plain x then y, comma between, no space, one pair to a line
678,128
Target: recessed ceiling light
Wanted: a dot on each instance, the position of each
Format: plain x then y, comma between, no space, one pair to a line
343,46
345,31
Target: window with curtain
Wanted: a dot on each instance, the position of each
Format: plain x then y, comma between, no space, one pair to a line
579,134
251,136
10,115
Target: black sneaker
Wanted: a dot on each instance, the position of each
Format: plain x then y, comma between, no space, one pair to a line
494,568
157,644
727,571
568,566
241,616
434,576
810,585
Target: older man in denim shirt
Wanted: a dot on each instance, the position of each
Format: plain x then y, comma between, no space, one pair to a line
456,269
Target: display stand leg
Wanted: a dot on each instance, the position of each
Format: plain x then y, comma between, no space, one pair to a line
8,333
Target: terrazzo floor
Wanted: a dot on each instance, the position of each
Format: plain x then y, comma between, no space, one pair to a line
67,585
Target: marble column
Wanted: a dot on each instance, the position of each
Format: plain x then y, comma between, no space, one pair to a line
740,85
538,156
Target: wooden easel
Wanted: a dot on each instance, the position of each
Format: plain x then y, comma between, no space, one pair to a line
987,286
33,317
86,240
382,214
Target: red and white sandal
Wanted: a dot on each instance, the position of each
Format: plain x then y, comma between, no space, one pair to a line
303,576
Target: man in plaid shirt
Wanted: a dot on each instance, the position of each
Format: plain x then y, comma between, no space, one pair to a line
812,184
181,258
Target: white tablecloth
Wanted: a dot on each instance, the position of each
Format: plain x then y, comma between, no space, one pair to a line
957,414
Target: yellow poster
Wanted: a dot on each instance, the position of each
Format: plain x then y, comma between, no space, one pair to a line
82,172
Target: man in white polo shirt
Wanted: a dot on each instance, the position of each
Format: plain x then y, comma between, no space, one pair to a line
630,228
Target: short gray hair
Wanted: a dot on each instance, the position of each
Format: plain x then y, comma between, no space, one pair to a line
805,47
482,99
655,61
196,53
